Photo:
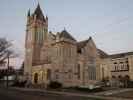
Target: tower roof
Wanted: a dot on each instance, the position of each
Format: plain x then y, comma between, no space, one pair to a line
67,35
38,12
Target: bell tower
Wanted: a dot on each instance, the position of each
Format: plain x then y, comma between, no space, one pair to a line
36,34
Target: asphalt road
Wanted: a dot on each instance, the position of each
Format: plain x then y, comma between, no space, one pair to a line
10,94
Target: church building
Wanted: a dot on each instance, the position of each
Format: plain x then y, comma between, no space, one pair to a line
59,56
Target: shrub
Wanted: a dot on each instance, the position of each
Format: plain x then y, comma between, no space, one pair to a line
89,90
85,89
19,84
54,85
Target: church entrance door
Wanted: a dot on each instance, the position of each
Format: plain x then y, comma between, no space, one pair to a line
36,78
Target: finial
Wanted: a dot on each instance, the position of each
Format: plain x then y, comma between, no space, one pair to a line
38,3
90,38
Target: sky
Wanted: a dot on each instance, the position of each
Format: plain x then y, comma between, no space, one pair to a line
109,22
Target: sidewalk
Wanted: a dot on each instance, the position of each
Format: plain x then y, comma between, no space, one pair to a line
112,92
70,94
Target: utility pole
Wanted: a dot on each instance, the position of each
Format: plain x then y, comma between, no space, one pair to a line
7,70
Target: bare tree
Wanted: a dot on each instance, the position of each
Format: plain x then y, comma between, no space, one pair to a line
5,50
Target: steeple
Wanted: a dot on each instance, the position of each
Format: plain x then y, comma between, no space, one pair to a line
38,13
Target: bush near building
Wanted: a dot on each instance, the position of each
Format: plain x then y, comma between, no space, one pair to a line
55,85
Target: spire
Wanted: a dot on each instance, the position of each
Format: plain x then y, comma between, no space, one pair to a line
38,12
38,5
28,14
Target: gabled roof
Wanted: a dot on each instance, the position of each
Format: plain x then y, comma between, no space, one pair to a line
120,55
82,44
38,12
102,53
66,35
52,34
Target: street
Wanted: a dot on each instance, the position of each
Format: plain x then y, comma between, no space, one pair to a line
11,94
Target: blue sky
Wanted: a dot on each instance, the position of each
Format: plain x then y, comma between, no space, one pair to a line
109,22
